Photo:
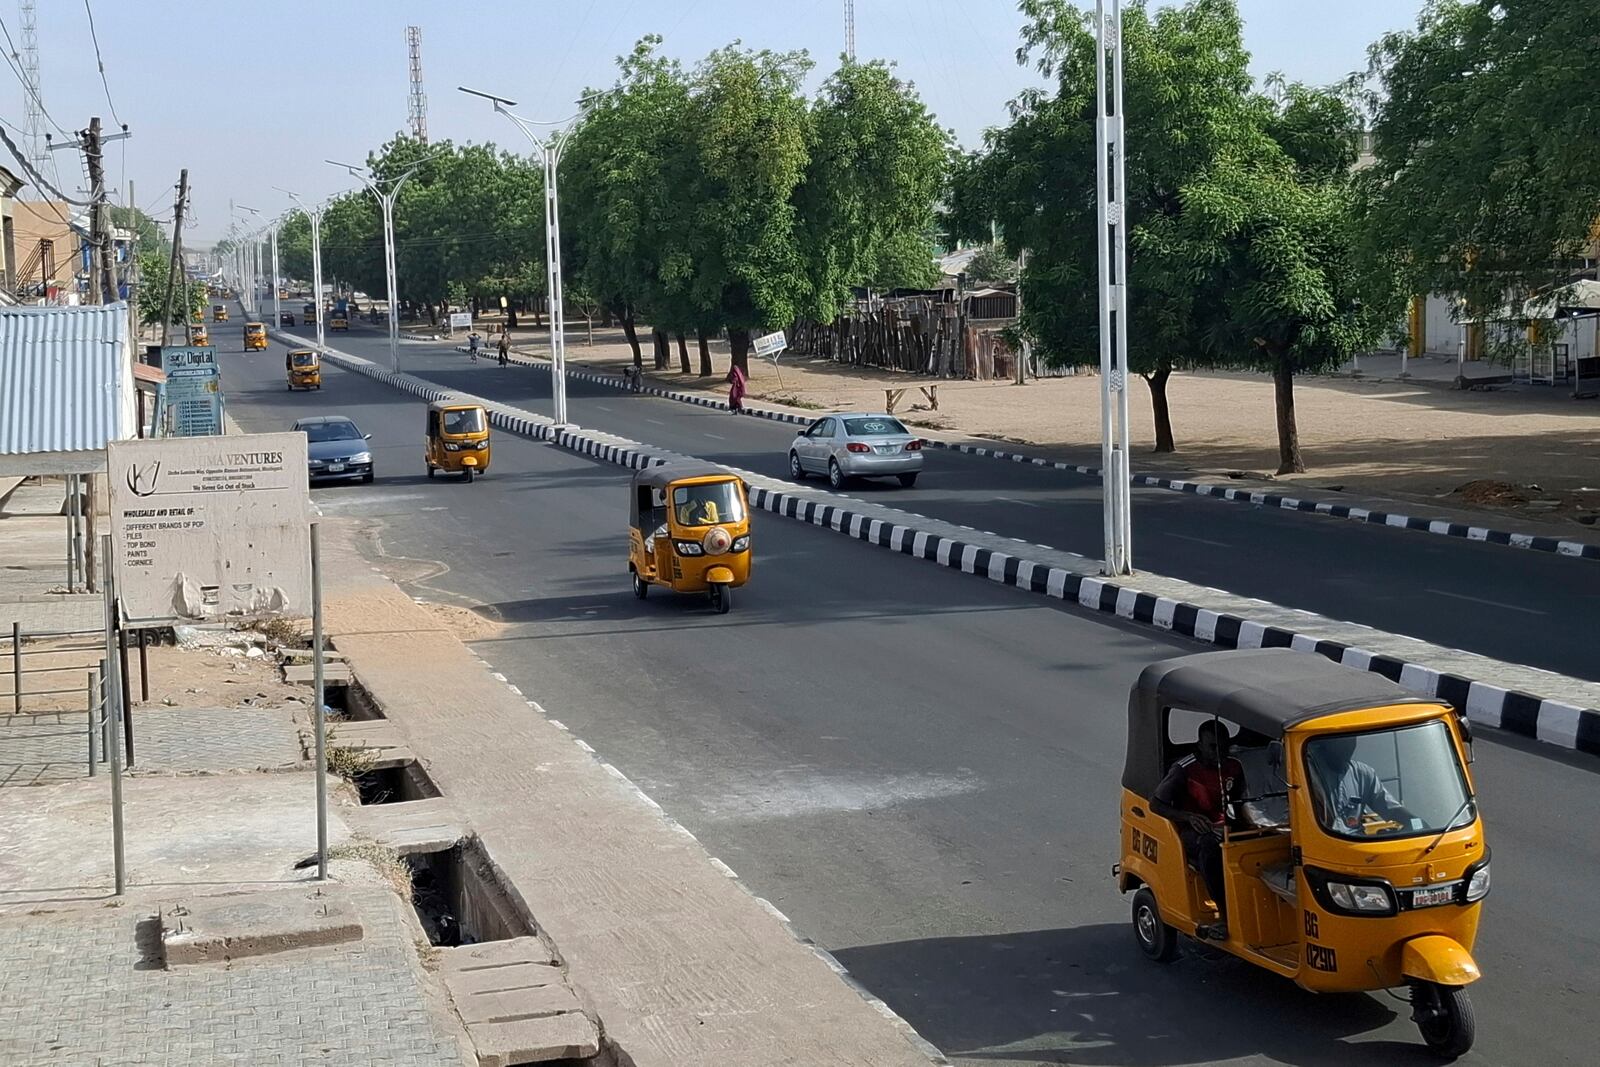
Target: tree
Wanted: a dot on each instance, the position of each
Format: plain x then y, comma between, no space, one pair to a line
1187,80
294,246
190,300
1486,176
145,231
991,264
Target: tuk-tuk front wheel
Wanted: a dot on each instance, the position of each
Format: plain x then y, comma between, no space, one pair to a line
721,597
1444,1015
469,473
1156,939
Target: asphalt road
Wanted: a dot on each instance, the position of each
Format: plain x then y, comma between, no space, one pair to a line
1523,607
919,768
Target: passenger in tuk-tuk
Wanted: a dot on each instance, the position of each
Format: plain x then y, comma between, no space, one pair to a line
1195,795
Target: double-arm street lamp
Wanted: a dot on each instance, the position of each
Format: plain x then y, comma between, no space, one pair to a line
314,213
549,149
1111,208
386,201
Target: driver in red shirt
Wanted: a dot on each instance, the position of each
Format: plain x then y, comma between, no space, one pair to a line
1195,795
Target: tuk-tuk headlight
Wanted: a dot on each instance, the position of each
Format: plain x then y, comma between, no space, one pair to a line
688,548
1478,884
740,543
1359,897
451,446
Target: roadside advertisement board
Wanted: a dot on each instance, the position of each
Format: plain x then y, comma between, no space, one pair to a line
460,319
771,345
193,391
211,528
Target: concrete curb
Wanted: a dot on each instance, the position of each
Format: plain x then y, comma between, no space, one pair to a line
1555,722
1282,501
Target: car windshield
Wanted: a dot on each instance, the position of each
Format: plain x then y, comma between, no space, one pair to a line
876,426
331,431
707,504
463,420
1389,783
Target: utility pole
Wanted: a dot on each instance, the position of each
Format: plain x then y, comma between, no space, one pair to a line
102,258
177,254
1111,207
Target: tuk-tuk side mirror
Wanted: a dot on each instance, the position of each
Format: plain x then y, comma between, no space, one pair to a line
1466,732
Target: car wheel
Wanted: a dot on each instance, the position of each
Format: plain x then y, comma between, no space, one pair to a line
367,478
796,471
836,476
1156,939
908,480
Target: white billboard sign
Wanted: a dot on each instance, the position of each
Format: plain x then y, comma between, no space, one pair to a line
211,528
770,345
460,319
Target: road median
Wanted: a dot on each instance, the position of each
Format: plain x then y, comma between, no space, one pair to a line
1521,700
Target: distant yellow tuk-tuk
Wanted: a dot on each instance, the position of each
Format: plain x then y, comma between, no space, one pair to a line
304,369
1313,820
219,313
338,321
255,335
689,531
308,314
198,337
457,439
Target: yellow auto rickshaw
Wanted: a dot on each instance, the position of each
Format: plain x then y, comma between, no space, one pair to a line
198,337
219,313
458,439
1342,848
304,369
689,531
308,314
255,336
338,321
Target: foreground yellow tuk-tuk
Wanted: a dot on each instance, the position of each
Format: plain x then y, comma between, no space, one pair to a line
255,335
219,313
457,439
689,531
198,337
304,369
1311,819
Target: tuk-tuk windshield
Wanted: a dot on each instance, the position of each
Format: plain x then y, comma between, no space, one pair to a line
304,359
463,420
707,504
1389,783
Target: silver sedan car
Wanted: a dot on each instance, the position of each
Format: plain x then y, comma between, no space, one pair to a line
856,444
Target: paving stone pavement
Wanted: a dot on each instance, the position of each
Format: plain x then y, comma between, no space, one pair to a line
38,749
80,987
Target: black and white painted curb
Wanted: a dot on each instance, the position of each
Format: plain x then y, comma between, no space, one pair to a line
1254,497
1556,722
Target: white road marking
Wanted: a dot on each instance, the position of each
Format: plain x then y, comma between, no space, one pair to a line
657,422
602,407
716,437
1014,500
1200,540
1481,600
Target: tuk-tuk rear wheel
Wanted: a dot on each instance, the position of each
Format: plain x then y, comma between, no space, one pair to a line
1444,1016
641,588
1156,939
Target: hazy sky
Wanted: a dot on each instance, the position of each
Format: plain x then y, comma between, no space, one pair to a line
253,95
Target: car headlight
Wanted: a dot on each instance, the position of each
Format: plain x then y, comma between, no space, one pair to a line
451,446
740,543
1478,884
1358,897
688,548
361,457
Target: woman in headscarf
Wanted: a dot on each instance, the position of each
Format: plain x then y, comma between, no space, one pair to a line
736,389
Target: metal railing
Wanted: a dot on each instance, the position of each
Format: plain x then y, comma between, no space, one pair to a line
59,682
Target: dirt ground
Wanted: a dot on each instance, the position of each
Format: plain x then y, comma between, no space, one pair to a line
1394,439
466,625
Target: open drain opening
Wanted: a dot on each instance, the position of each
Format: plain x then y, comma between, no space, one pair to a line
393,785
459,898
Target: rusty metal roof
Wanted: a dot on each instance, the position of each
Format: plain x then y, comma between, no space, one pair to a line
67,379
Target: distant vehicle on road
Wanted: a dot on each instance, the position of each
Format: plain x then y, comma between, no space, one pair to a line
856,444
337,449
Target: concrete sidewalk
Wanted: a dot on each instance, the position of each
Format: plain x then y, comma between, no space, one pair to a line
33,543
682,965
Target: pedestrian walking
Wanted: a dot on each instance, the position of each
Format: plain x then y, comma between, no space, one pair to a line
472,345
505,346
736,389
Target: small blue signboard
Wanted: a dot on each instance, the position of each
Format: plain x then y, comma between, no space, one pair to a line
193,393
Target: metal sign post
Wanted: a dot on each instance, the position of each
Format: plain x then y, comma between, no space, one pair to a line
112,681
318,714
1110,212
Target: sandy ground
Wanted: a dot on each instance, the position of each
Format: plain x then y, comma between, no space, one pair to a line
1384,438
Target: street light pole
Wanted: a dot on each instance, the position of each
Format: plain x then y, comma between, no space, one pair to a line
315,215
549,149
1111,208
277,303
386,202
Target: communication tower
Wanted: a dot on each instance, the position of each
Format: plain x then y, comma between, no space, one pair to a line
419,99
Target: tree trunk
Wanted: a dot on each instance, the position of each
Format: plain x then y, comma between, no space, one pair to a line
625,316
1158,407
588,319
739,342
1289,458
663,347
705,354
511,316
683,354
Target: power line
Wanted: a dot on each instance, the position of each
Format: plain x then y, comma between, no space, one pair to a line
39,179
12,58
101,63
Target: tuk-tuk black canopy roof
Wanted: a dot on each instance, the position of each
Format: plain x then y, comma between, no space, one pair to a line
1264,690
664,474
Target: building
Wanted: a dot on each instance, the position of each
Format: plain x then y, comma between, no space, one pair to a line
9,185
46,251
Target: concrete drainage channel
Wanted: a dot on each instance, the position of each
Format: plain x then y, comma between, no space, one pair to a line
505,981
